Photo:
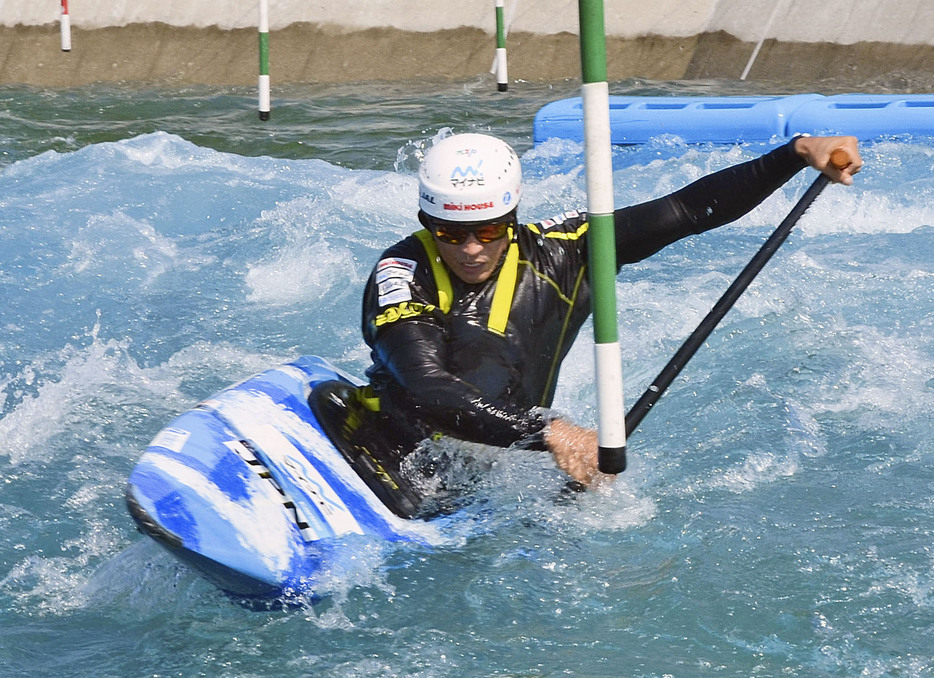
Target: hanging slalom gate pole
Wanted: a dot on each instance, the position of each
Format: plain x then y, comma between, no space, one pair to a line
66,27
264,59
601,238
765,33
839,159
502,79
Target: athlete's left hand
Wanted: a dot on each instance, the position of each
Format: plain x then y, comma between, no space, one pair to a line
837,157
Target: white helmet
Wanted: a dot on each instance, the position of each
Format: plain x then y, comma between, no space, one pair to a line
469,177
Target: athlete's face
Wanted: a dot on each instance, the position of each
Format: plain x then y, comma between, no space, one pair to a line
473,261
472,250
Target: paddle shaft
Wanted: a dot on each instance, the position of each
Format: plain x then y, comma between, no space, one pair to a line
720,309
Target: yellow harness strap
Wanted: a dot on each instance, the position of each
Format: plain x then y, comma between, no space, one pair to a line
505,290
442,279
505,284
367,398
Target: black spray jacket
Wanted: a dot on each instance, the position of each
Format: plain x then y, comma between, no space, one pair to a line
477,361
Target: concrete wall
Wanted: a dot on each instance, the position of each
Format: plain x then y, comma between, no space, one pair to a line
839,21
194,41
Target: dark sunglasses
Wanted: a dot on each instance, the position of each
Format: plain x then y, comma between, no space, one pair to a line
486,232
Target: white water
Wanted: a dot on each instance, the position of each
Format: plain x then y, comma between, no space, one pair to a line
776,516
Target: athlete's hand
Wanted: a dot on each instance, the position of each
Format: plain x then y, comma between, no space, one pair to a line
575,451
837,157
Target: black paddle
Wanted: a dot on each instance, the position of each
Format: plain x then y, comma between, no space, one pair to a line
839,159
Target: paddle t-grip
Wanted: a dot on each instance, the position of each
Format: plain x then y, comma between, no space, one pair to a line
839,158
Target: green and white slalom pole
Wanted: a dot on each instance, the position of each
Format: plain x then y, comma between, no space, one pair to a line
502,79
601,237
264,59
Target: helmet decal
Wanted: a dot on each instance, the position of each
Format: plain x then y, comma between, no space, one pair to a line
461,175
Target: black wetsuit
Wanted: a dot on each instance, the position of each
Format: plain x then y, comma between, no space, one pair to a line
454,375
476,364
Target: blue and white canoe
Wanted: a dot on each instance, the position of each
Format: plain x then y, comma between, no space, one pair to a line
246,487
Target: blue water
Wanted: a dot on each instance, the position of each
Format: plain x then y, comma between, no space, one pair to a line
778,512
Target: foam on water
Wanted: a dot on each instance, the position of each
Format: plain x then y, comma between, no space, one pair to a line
775,517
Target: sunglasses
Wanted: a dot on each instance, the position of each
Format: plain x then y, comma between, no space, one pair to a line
485,233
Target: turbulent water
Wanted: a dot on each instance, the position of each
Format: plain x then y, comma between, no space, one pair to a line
777,515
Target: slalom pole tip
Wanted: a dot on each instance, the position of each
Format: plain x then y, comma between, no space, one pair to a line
611,460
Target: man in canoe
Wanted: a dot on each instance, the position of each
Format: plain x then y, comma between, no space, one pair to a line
470,318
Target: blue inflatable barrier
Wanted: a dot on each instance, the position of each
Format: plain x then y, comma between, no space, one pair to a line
867,116
729,120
